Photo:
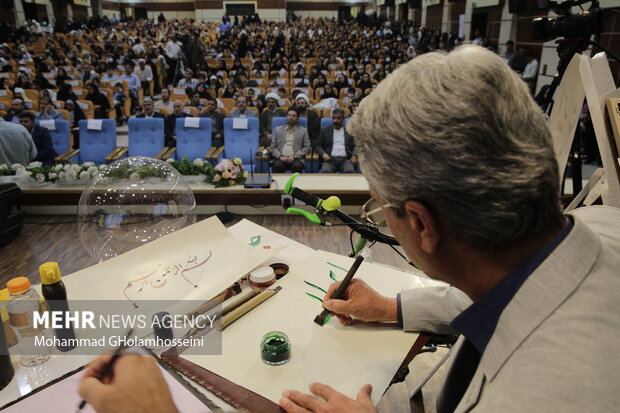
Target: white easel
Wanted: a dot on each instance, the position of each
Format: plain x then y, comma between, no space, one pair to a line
588,78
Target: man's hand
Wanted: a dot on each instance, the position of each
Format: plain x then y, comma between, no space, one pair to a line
326,157
297,402
136,385
218,136
354,160
362,302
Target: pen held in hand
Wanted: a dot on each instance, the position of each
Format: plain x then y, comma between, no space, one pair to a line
320,319
107,368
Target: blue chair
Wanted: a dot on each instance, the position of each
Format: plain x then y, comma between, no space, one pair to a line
146,137
99,146
325,122
195,142
242,143
61,139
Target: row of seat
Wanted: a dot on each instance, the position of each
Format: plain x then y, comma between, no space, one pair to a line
146,138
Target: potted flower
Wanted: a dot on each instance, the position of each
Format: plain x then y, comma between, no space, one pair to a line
227,173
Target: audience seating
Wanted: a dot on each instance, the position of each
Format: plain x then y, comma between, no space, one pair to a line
99,146
146,137
242,143
195,142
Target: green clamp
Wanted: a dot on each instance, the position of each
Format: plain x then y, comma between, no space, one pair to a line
288,188
314,218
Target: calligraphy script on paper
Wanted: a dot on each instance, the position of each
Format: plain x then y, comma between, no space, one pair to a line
159,278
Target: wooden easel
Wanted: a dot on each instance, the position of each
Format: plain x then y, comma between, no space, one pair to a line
588,78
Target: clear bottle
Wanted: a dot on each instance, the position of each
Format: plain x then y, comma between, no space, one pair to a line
23,302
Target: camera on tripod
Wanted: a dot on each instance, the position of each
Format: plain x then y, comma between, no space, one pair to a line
567,24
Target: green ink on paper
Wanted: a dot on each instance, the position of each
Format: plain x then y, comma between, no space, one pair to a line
315,286
337,266
255,240
332,275
314,296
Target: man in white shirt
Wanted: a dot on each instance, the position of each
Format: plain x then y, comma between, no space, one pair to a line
530,73
110,77
187,81
138,48
16,144
173,54
336,147
145,74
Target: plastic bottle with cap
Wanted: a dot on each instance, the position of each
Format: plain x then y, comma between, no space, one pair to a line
55,295
22,304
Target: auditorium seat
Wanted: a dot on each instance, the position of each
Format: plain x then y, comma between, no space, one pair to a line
242,143
146,137
60,133
195,142
99,146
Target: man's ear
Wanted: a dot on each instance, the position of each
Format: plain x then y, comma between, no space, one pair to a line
424,223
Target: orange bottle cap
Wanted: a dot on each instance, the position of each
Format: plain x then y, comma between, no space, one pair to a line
18,285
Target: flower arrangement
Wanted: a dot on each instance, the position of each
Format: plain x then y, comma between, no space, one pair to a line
187,167
227,173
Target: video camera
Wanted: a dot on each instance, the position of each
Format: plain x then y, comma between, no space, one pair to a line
567,24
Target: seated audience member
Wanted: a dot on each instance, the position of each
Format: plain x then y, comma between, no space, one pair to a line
99,100
119,102
65,92
230,92
171,122
165,101
16,144
202,91
314,122
133,84
242,110
47,110
148,110
41,138
217,122
349,96
76,114
17,107
266,116
364,83
290,144
336,147
110,77
195,101
353,105
187,80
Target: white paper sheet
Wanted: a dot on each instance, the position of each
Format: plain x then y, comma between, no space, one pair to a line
343,357
94,124
208,238
63,396
240,123
192,122
49,124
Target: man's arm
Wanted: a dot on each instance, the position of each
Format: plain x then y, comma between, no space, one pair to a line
275,145
432,309
320,143
305,148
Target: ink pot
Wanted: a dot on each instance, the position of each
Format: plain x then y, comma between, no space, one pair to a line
275,348
262,277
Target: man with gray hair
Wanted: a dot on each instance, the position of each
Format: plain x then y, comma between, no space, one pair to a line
148,110
461,164
459,159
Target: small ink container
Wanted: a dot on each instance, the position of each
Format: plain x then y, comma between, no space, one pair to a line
262,277
275,348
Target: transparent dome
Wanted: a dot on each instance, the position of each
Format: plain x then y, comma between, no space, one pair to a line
131,202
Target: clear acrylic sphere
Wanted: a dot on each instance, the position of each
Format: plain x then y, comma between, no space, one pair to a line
131,202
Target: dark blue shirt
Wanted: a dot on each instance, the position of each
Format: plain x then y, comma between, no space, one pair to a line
477,323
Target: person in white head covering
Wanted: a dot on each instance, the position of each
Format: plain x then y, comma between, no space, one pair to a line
266,117
302,102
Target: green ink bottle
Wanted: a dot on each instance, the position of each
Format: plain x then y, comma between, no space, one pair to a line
275,348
